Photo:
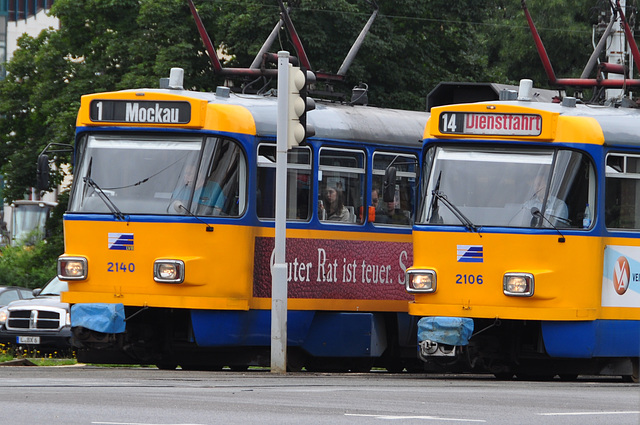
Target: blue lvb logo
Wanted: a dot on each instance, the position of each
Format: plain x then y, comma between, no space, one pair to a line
121,241
470,254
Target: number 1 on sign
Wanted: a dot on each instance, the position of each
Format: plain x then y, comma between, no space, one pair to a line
99,107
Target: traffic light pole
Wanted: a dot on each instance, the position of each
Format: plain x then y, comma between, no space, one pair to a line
279,285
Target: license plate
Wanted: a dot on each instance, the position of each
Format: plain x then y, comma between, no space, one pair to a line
28,340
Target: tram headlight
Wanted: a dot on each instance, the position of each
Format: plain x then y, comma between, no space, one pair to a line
72,268
168,271
420,281
518,284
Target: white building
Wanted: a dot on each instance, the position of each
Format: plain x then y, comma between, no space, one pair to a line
16,18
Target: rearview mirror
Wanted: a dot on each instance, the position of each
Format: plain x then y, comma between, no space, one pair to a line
389,185
42,174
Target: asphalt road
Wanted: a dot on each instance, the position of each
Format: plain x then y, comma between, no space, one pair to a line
143,396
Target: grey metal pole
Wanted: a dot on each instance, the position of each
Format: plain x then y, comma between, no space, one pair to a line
598,49
267,43
356,45
279,267
616,49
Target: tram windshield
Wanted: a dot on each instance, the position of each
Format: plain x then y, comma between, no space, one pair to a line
159,175
507,187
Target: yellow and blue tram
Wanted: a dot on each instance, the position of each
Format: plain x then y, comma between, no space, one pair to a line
169,232
526,241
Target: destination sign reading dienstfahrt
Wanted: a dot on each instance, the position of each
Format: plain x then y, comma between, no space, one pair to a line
490,124
140,111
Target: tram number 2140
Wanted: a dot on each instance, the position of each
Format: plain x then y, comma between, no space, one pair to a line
120,267
469,279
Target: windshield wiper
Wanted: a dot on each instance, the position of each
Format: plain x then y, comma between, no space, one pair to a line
112,207
435,215
179,206
459,215
536,213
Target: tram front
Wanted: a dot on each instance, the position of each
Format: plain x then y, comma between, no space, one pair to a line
140,249
506,267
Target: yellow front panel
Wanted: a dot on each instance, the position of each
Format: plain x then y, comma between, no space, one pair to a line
217,275
568,276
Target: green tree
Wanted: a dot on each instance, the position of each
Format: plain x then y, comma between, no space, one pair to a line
29,267
565,29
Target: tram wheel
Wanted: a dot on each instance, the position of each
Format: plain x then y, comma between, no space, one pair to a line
295,361
395,367
529,377
360,366
207,368
634,374
238,368
503,376
167,366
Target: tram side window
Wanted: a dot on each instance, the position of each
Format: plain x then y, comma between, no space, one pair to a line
400,211
223,190
622,191
298,182
341,185
573,184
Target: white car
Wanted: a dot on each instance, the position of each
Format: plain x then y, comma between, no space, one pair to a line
42,322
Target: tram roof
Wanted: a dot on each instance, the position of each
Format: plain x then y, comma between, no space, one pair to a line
331,121
620,125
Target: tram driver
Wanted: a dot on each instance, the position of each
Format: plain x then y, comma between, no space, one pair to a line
209,197
556,210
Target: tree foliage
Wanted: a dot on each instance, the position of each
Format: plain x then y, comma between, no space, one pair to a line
564,27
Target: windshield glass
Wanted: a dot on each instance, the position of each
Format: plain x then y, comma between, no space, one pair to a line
54,287
507,187
159,175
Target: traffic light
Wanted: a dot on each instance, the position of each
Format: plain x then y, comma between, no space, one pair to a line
299,104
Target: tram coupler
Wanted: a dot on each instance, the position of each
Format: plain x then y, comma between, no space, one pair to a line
443,336
430,348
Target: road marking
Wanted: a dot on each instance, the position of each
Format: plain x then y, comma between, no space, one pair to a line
398,417
134,423
630,412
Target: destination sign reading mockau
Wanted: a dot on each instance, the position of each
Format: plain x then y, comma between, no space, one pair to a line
140,111
490,124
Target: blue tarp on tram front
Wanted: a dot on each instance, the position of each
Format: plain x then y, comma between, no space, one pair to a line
445,330
106,318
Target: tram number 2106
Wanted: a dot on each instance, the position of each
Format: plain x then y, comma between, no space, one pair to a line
468,279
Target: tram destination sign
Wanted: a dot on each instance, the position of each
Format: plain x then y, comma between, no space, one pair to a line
490,124
140,111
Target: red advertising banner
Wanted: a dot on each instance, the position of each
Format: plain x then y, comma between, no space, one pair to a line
336,269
